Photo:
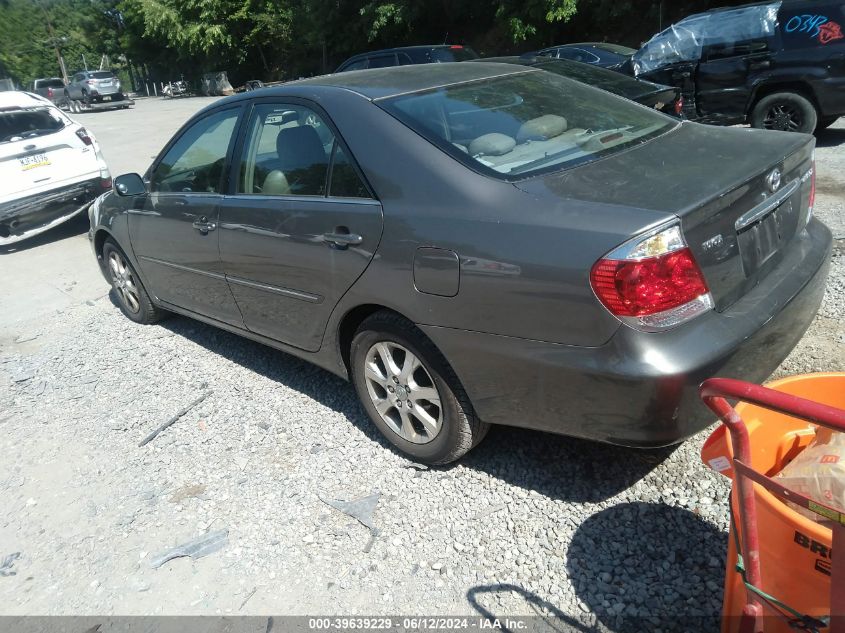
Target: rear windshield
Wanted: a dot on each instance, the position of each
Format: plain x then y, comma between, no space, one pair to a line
49,83
102,74
527,123
16,125
453,54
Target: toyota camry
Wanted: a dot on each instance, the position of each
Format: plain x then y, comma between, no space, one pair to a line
477,244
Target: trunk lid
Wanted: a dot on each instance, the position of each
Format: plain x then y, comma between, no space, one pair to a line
718,181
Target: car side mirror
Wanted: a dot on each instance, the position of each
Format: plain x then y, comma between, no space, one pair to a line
129,185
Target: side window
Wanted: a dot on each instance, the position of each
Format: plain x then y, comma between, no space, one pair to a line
382,61
356,65
286,152
195,162
567,53
345,181
405,59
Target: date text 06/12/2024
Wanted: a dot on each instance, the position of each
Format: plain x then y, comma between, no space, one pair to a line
416,624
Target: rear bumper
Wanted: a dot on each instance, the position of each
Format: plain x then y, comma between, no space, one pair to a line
116,100
640,389
26,217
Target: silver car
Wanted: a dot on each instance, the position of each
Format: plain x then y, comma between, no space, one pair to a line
93,87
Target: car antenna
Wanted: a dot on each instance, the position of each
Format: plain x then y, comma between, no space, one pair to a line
446,37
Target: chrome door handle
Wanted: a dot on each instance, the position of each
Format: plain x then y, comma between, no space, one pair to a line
203,225
343,240
765,63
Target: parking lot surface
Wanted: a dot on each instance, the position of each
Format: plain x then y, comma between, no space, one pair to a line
526,523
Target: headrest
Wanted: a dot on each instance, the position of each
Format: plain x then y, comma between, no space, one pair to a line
300,147
493,144
275,184
542,128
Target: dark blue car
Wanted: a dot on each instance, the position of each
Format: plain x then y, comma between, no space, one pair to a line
595,53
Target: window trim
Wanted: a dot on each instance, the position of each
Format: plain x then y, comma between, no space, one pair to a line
227,160
240,147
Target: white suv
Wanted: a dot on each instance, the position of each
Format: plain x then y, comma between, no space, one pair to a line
51,168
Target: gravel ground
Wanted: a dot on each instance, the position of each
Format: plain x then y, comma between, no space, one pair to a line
526,523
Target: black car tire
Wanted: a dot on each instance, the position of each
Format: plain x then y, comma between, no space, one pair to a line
786,111
146,313
826,122
460,428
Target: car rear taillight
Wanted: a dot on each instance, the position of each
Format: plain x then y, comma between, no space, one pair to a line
679,105
105,174
456,47
49,92
652,283
83,135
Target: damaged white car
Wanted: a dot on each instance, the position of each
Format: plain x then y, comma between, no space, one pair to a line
51,168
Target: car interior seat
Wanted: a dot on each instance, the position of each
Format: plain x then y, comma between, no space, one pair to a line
301,165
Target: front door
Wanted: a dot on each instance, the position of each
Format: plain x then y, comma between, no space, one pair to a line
300,227
174,232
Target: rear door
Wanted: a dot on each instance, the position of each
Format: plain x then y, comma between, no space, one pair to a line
737,54
726,75
174,227
300,225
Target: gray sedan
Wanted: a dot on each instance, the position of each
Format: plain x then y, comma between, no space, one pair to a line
476,244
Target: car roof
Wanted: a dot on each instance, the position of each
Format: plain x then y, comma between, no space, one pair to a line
576,44
787,3
415,47
379,83
18,99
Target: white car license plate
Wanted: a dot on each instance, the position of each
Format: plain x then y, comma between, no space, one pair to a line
33,161
106,98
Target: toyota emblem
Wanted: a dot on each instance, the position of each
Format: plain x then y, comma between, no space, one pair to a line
773,180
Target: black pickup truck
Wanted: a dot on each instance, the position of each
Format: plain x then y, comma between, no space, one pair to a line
775,65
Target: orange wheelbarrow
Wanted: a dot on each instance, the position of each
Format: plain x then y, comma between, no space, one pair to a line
780,572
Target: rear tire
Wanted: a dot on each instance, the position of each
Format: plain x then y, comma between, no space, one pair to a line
440,424
131,295
785,111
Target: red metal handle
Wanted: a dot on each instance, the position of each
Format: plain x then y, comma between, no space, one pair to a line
815,412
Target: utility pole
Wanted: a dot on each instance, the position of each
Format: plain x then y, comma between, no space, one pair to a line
55,42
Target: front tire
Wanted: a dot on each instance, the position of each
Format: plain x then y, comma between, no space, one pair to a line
410,392
131,295
785,111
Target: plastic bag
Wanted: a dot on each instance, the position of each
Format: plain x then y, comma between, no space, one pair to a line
818,472
683,42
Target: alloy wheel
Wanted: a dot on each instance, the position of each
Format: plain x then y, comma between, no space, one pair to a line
784,117
124,282
403,392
